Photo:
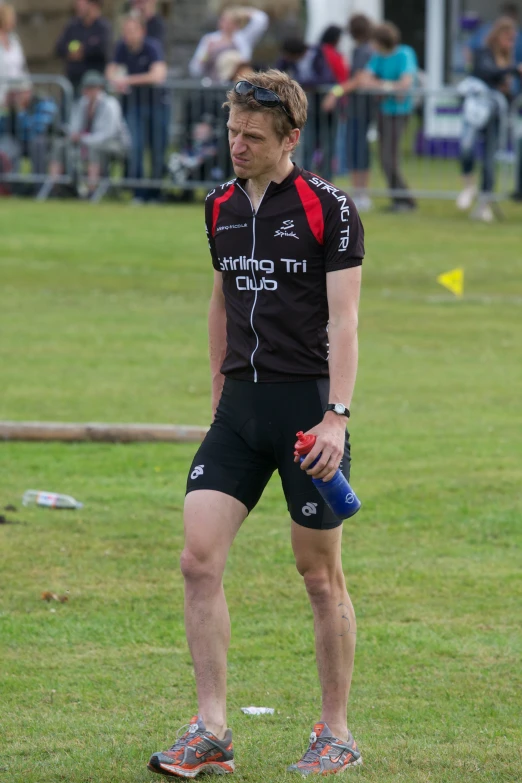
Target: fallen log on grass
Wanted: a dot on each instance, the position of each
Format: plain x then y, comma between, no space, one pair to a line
100,433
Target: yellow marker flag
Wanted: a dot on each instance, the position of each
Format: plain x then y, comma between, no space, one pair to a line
453,281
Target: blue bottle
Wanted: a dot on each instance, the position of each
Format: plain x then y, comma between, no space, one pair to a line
337,493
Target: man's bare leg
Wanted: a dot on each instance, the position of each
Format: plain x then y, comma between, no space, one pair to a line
212,520
318,560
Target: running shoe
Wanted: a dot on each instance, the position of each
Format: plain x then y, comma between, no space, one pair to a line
326,754
197,750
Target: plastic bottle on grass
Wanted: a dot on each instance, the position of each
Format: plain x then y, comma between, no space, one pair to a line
49,499
337,493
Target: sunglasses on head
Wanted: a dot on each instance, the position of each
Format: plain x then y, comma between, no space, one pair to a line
265,97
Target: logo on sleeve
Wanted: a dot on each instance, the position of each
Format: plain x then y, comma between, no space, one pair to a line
197,472
285,230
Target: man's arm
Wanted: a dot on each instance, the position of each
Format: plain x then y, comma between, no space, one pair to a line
217,338
343,290
155,75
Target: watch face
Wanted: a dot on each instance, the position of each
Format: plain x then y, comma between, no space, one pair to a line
339,408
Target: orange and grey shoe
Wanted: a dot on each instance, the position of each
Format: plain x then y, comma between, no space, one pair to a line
197,750
326,754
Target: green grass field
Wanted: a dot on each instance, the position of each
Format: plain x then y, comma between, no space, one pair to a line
103,319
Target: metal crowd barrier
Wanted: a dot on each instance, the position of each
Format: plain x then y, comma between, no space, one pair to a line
24,154
179,142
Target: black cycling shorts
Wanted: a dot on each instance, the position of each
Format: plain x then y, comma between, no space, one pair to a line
253,434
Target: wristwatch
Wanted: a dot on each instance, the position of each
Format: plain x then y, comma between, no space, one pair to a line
339,408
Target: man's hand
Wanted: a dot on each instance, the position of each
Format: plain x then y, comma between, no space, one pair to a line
121,84
329,102
330,436
75,52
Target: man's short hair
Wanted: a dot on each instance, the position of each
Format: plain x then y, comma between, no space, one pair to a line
360,28
294,46
332,35
387,35
291,93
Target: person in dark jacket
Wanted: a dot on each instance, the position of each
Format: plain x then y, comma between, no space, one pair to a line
309,67
138,72
154,22
85,43
494,65
359,110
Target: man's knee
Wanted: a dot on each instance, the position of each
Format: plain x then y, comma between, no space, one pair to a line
321,581
200,567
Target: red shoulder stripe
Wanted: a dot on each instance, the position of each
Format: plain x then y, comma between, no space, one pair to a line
312,207
217,206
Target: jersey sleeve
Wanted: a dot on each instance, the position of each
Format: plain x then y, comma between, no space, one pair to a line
209,207
343,236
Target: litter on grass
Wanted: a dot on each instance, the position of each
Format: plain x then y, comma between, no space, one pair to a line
258,710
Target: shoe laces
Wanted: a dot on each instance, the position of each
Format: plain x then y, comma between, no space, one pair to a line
314,749
188,728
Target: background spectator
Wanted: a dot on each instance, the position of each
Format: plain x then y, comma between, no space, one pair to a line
12,59
308,66
358,110
97,133
478,39
239,29
85,43
495,66
138,70
329,43
25,129
154,23
305,64
392,68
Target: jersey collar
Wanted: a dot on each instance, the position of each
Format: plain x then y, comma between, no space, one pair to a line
276,187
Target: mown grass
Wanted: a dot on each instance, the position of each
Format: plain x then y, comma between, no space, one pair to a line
103,318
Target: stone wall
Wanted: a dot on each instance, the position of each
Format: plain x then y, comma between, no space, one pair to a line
40,22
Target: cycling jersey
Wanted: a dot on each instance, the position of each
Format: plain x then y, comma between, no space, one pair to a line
274,263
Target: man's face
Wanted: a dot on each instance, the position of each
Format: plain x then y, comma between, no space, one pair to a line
82,8
133,34
255,148
91,93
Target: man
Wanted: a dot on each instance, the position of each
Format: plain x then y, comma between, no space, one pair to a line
358,110
138,71
154,22
308,66
86,42
393,69
287,249
97,133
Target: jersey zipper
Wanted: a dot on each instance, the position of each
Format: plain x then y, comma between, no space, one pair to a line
254,214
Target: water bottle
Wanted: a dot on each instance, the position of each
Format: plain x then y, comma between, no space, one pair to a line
337,493
49,499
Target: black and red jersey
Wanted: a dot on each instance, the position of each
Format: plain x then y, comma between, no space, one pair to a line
274,263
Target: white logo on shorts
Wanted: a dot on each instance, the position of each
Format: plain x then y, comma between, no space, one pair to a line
197,472
309,509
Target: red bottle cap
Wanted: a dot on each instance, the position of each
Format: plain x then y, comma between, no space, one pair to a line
304,445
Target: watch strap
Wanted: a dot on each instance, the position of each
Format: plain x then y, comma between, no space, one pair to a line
332,407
